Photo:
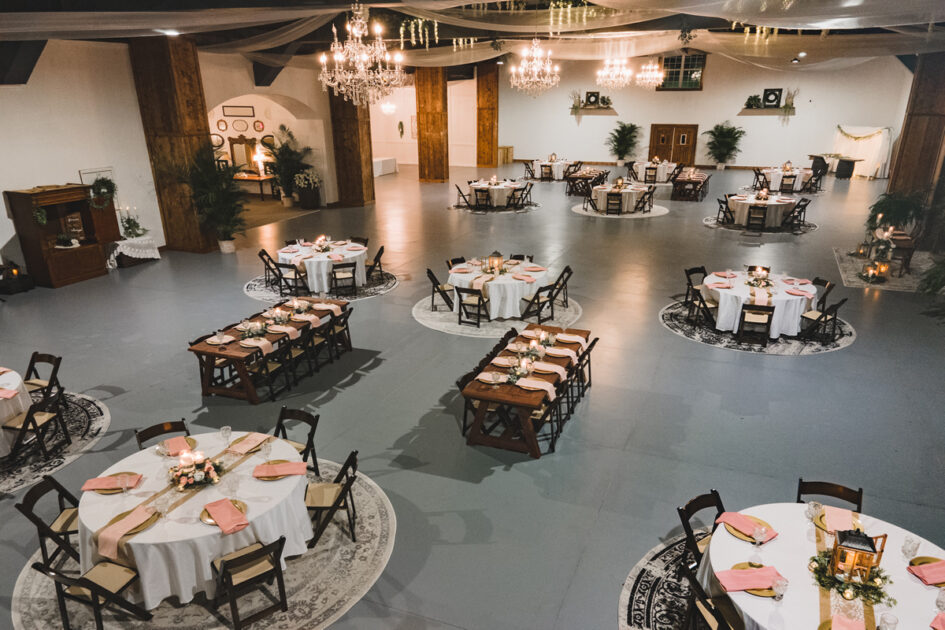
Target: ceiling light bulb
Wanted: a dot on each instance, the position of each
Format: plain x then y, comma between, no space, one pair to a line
795,60
802,54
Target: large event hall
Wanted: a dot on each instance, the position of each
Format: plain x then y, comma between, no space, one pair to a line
424,315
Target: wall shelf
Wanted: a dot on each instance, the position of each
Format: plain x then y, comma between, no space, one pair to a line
767,111
595,111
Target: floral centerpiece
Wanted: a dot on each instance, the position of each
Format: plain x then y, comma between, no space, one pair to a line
278,316
762,195
883,245
871,590
193,469
298,306
519,371
255,329
758,278
321,244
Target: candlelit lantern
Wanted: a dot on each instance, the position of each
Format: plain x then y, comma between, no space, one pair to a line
863,250
495,261
186,459
619,182
882,268
855,554
870,271
553,157
762,195
656,159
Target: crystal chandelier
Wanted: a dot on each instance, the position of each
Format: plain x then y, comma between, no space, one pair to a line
362,72
615,74
650,75
535,73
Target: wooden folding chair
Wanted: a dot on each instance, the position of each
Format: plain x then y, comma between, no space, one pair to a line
614,203
483,198
340,337
33,425
539,302
703,309
693,287
34,382
291,279
342,281
376,266
560,294
472,300
323,500
360,240
547,173
757,217
725,216
701,606
444,290
754,322
464,200
245,570
833,490
787,184
156,430
305,449
529,171
64,525
688,511
649,175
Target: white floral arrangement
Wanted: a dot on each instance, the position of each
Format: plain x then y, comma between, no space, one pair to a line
308,179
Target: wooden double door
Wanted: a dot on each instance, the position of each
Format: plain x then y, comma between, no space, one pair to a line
676,143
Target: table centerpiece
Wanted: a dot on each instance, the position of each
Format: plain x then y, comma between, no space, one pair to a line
255,329
194,469
758,278
852,569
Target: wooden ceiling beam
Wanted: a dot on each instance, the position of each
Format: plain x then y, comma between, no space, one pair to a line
17,60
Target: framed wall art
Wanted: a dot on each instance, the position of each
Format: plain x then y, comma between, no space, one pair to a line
239,111
772,97
221,125
240,125
258,125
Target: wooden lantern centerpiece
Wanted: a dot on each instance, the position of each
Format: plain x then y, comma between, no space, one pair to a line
495,261
856,555
863,250
762,195
553,157
618,183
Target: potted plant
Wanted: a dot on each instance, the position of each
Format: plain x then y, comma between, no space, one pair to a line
216,196
288,160
754,102
896,209
131,225
307,184
723,142
623,141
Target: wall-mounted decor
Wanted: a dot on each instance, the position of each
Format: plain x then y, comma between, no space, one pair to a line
216,140
258,125
221,125
239,111
591,99
400,128
240,125
268,141
772,97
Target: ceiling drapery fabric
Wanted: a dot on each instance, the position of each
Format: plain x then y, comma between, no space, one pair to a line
565,20
276,37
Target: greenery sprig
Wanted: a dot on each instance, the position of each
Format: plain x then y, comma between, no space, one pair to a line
872,591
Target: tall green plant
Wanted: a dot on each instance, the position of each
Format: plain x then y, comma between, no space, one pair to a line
216,195
723,141
897,209
289,159
623,140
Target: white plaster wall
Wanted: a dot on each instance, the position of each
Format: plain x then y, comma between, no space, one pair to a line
874,93
79,110
461,108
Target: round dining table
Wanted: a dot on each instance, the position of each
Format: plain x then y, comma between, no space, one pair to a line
173,556
557,167
318,264
629,195
498,192
790,552
505,292
778,208
774,176
788,308
9,407
663,170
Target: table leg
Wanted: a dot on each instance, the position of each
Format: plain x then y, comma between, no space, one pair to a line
262,194
528,443
528,432
246,383
206,373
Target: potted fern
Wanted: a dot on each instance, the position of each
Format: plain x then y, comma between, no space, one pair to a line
307,184
288,161
216,196
623,141
723,142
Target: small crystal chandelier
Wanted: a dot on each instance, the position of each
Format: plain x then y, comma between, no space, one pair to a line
650,75
535,73
362,72
615,74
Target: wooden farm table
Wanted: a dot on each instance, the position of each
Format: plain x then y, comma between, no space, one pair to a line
251,177
241,386
518,435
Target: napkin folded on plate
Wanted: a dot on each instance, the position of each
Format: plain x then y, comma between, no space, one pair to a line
263,344
339,243
311,317
744,579
110,483
284,468
800,293
796,281
939,622
743,524
544,366
516,347
536,383
307,244
535,268
837,519
356,248
486,377
504,361
839,622
327,306
460,270
530,333
724,274
932,573
288,250
7,393
336,257
292,331
175,445
109,537
562,353
226,515
248,443
569,338
719,285
523,276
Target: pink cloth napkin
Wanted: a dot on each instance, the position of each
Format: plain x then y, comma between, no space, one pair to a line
312,317
263,344
550,367
288,250
531,334
228,518
523,276
460,270
569,338
839,622
356,248
175,445
327,306
796,281
285,468
307,244
562,352
539,384
799,293
339,243
932,573
534,268
719,285
481,281
486,377
837,519
723,274
744,579
110,483
503,361
109,537
743,524
761,297
247,444
7,393
517,347
336,257
939,622
292,331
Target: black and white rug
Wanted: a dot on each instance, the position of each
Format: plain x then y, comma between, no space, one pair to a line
499,210
655,594
85,431
673,318
447,321
656,211
712,222
851,266
378,284
321,585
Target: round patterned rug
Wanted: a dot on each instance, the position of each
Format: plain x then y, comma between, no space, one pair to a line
673,318
499,210
712,222
85,431
656,211
655,594
379,284
321,585
447,321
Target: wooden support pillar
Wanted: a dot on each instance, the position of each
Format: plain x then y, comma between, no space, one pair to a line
433,150
487,114
354,164
174,116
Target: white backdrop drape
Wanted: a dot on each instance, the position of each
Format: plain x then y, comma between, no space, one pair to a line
875,152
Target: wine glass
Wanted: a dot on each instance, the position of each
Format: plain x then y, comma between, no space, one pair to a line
220,335
225,432
266,449
888,621
813,510
940,600
779,586
910,547
759,534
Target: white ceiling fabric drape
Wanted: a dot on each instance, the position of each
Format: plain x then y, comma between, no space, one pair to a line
276,37
536,21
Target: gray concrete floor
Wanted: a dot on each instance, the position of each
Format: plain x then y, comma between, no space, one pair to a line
490,539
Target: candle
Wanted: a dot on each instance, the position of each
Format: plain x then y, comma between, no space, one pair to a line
186,459
199,457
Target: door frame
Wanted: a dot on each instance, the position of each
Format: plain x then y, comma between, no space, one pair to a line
689,128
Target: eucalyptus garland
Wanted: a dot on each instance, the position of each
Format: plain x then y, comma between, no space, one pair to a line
872,591
103,191
859,138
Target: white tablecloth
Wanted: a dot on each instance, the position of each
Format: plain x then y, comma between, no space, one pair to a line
173,556
790,552
318,267
629,197
557,167
774,176
505,293
498,193
778,208
663,170
10,407
787,308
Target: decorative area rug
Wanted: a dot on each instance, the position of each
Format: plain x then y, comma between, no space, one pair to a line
673,318
447,321
712,223
850,266
379,284
655,594
321,585
657,211
499,210
85,431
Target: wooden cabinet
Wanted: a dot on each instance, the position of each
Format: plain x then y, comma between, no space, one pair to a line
67,211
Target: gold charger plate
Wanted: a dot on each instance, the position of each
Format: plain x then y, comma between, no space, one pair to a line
821,523
213,342
529,388
276,477
240,439
206,518
114,490
757,592
543,370
246,344
737,534
920,560
140,528
191,442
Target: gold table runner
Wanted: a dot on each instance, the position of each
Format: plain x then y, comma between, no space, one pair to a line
844,607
